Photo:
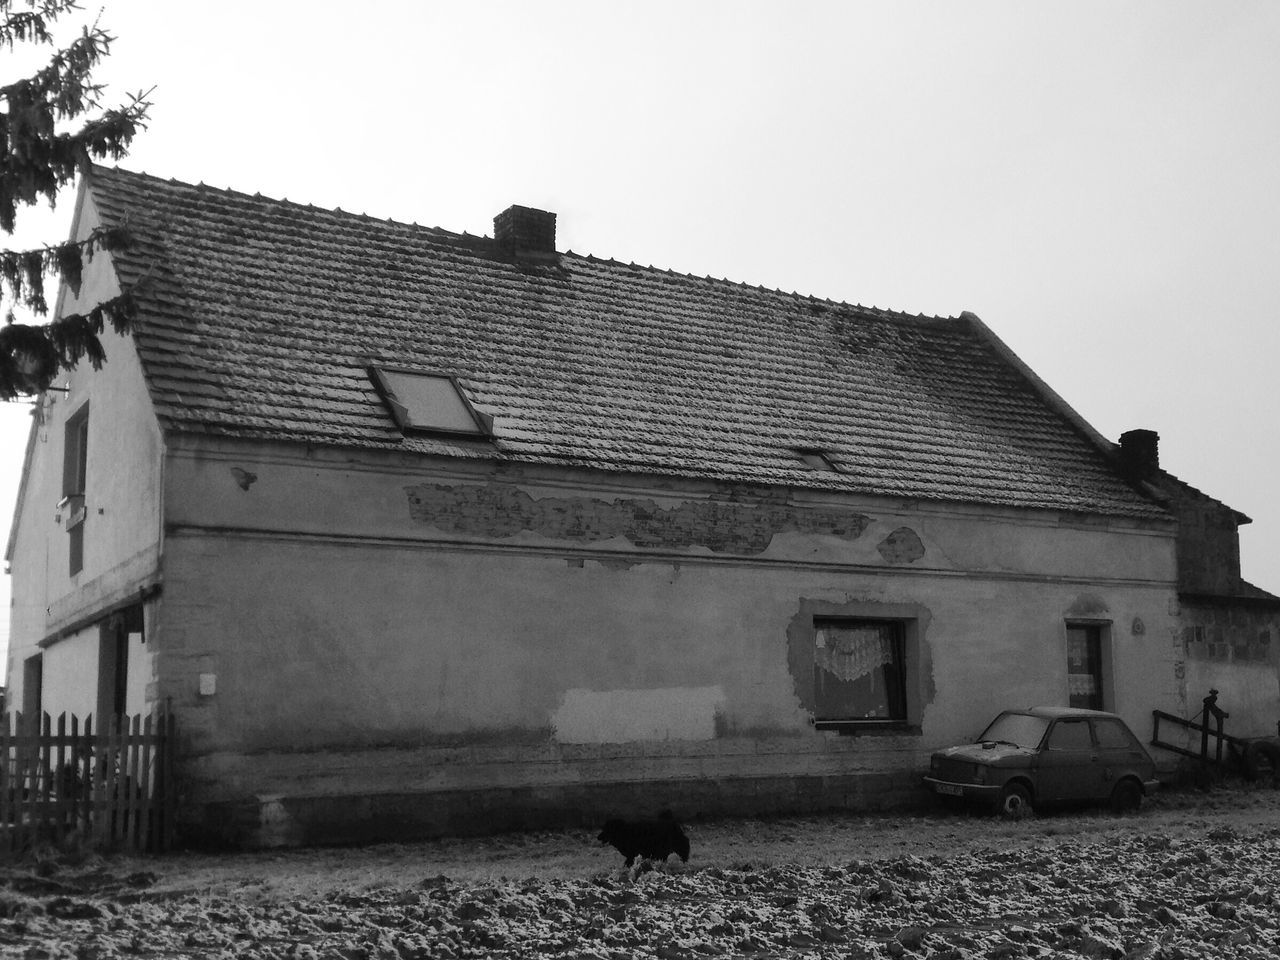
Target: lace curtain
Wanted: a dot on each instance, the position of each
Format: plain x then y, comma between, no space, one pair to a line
855,651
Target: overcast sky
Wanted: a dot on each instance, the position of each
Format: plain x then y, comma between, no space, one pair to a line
1098,181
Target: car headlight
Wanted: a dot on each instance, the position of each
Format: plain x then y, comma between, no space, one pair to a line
980,773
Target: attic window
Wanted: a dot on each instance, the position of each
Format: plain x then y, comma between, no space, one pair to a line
429,403
816,459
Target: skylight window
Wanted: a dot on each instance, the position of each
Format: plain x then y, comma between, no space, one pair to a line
429,403
816,460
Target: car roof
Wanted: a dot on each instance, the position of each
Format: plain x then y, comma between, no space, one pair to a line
1054,713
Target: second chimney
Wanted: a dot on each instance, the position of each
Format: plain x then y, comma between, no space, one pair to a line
526,233
1140,453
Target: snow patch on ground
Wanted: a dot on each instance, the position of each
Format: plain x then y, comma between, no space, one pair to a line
1190,876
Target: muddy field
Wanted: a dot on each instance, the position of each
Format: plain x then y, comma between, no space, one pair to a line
1192,875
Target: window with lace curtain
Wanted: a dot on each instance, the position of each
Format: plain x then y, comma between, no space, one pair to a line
859,671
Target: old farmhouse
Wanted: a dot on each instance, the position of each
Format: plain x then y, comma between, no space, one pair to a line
420,532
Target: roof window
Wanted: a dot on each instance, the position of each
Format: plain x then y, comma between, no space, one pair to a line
815,459
429,403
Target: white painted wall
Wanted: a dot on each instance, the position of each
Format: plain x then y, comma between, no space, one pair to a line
141,666
71,675
123,526
1249,692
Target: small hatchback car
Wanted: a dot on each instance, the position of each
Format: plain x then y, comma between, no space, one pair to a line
1047,755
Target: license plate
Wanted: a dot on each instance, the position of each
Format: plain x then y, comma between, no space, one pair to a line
950,789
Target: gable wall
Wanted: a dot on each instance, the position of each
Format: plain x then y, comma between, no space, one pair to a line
1208,543
410,625
122,524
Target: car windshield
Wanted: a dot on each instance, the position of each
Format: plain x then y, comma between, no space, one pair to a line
1017,729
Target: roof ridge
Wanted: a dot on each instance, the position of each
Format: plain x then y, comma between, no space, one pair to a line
886,313
97,169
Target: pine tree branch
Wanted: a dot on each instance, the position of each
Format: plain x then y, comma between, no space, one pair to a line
61,87
36,160
32,26
31,356
23,271
40,162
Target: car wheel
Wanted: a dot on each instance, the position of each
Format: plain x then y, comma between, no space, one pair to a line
1126,797
1015,801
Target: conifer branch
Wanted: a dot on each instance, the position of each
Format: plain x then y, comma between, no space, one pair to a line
40,162
36,161
32,26
31,355
23,271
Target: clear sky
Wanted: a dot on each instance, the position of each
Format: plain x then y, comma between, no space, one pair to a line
1099,181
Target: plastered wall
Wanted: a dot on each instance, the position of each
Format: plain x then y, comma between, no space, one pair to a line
1232,647
409,625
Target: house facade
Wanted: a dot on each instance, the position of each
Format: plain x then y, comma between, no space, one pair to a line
418,532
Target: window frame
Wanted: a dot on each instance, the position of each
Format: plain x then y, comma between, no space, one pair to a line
1099,630
75,452
816,459
1070,723
75,478
901,720
400,413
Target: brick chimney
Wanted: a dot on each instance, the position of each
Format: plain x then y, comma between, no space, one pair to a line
1140,453
526,233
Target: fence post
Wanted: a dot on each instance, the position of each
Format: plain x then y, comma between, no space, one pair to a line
150,790
87,780
43,793
168,746
113,786
74,785
98,811
58,815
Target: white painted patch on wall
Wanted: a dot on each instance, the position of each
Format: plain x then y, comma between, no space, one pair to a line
622,716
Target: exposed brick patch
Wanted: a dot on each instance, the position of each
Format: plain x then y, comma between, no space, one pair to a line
901,546
1229,633
723,526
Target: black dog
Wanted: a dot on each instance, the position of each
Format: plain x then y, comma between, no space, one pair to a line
646,839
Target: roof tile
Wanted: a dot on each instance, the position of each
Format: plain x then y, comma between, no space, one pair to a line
259,317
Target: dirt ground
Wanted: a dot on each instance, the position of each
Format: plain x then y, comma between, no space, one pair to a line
1191,875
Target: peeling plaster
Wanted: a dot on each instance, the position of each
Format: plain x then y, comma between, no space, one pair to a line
921,688
901,546
722,526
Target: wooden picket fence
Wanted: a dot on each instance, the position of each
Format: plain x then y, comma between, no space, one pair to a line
111,789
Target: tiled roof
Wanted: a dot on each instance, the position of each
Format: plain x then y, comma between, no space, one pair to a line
259,318
1170,487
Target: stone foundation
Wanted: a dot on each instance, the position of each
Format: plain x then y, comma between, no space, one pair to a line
279,821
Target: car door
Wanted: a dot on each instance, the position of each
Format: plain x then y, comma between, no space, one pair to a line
1069,768
1118,750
